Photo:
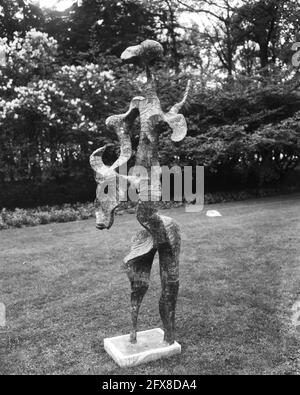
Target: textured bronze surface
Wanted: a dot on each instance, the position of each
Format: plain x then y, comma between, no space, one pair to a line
159,233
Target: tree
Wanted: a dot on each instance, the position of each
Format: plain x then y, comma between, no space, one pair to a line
259,22
18,16
51,116
171,24
220,32
272,25
100,28
167,13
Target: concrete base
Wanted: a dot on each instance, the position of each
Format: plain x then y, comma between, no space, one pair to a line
150,346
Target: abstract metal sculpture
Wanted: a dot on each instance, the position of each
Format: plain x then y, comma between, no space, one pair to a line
159,233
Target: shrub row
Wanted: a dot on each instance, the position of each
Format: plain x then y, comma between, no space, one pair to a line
45,215
76,212
56,192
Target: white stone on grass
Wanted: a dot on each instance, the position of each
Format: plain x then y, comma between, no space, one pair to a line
150,346
296,314
213,213
2,315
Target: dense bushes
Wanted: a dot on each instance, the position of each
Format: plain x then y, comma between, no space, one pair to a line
44,215
49,116
33,194
244,138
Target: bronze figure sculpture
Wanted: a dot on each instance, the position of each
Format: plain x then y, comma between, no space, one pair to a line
159,233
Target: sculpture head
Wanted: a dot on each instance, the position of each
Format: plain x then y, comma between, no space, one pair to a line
111,186
144,53
107,193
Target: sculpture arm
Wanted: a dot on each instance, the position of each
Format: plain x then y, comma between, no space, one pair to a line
121,125
177,121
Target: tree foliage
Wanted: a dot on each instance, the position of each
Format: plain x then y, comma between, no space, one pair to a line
19,16
47,119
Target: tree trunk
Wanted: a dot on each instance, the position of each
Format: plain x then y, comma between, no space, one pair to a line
172,26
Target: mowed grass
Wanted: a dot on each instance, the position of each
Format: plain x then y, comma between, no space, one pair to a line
240,274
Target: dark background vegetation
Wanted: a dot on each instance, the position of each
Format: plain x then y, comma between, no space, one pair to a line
63,78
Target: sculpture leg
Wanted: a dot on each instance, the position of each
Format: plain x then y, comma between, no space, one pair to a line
139,275
169,273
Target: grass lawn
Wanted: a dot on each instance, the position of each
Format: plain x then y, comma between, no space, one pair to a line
240,276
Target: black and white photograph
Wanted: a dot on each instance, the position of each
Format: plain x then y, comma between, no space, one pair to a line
149,190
